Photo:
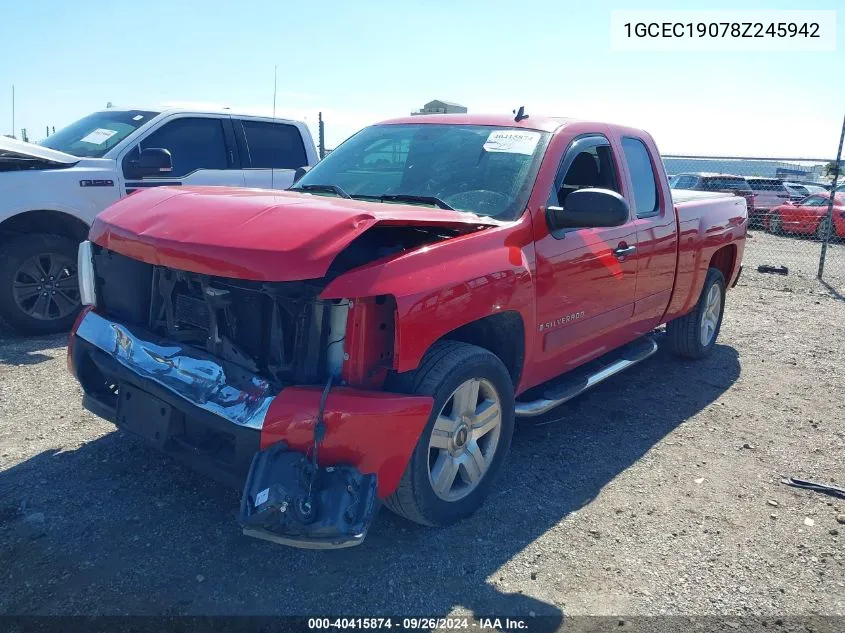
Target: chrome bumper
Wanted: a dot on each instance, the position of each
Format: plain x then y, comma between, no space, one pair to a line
232,393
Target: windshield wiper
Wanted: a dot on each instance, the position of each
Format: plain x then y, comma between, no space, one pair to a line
325,188
404,197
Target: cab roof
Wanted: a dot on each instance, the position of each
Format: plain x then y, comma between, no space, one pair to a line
540,123
200,108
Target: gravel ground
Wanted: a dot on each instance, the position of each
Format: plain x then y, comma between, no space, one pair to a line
656,493
800,254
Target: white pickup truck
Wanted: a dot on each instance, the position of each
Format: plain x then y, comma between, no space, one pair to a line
50,193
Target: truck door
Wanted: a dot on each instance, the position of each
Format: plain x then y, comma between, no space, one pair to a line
202,149
585,277
657,240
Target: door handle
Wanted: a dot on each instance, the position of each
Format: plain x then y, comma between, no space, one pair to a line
623,250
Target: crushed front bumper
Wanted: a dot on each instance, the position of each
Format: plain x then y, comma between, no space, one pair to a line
232,425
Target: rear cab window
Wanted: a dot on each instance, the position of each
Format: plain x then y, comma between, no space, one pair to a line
273,145
766,184
641,168
723,182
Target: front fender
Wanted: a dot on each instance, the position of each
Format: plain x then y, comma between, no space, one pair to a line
442,287
374,431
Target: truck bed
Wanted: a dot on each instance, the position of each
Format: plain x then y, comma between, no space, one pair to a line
686,195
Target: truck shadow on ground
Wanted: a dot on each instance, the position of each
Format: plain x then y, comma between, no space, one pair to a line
20,350
112,527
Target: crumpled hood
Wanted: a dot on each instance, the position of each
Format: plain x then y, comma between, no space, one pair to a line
251,233
12,149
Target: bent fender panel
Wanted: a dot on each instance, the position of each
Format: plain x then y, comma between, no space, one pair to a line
447,285
374,431
427,317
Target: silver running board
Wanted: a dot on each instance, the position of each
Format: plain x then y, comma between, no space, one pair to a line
557,395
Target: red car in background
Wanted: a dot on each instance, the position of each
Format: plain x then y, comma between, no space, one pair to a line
809,216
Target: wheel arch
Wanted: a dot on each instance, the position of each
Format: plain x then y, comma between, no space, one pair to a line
724,260
501,334
44,221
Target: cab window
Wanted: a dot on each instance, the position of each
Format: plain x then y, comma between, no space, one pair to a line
194,143
588,163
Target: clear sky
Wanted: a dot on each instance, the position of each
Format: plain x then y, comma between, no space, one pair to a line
360,62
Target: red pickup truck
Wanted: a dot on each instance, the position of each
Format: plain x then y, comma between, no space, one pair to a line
372,335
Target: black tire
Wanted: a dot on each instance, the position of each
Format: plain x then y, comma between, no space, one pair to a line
684,333
16,254
823,229
446,366
775,225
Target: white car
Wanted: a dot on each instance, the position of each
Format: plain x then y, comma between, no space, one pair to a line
50,193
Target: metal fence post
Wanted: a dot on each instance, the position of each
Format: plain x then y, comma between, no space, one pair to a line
830,202
321,136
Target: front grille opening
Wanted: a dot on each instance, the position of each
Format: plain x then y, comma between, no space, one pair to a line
277,330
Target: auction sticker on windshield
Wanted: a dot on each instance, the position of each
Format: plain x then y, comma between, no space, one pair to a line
98,136
512,141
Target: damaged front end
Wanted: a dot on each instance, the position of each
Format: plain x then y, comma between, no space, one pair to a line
214,415
225,348
250,381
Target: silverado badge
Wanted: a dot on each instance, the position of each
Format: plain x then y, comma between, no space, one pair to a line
560,321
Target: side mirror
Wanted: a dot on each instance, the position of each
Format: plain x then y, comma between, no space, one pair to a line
300,172
589,208
152,161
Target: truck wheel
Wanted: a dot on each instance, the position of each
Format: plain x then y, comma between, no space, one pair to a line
39,291
823,229
462,447
694,335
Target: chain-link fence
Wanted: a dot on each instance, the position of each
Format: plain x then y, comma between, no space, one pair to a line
793,226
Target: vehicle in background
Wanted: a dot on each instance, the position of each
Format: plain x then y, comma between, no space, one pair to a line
372,333
768,193
725,183
797,191
814,187
51,192
810,217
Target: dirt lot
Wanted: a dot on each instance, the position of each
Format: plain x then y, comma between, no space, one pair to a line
800,254
658,492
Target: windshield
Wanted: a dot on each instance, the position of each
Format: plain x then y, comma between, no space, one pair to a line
94,135
483,169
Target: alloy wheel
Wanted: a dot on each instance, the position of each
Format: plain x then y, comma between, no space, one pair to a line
45,286
464,439
710,318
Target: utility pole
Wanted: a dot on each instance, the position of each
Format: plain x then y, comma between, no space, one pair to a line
13,110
